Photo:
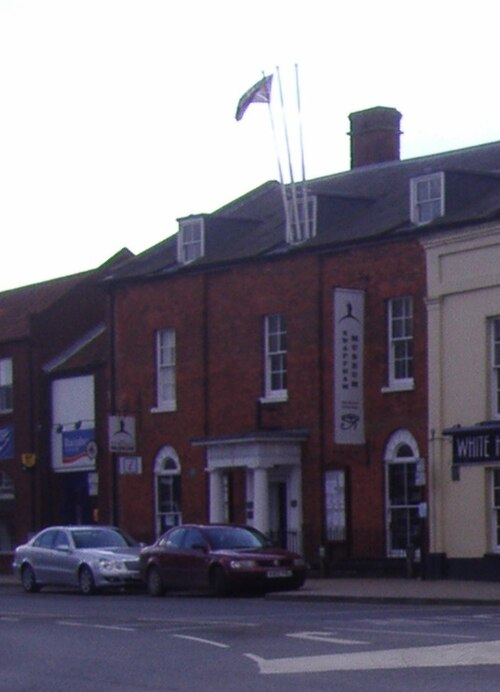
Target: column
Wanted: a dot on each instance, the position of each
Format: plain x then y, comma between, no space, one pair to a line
261,500
216,498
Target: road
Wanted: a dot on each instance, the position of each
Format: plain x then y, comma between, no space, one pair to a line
63,641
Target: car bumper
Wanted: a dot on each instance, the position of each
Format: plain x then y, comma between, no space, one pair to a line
117,580
267,580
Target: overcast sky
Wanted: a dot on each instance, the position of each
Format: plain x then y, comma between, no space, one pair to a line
117,116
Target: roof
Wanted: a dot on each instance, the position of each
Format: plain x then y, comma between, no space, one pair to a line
362,204
19,305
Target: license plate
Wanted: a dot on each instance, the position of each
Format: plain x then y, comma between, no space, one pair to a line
279,573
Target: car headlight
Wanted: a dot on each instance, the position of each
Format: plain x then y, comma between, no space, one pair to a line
111,565
242,564
299,562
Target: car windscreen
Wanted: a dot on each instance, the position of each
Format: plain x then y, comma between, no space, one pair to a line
99,538
233,538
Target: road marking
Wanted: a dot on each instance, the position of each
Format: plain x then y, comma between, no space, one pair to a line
9,619
477,654
69,623
323,637
411,633
202,641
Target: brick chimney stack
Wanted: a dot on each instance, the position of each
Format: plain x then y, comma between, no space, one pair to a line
374,136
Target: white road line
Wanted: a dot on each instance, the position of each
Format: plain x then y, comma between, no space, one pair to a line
411,633
478,654
323,637
202,641
8,619
68,623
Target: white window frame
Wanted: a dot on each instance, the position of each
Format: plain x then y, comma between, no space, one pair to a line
495,509
191,240
494,328
6,385
397,339
167,473
306,228
275,357
400,442
166,375
427,198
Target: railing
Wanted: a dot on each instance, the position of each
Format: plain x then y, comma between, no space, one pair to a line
286,539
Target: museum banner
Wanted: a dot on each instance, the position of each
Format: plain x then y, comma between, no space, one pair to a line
348,339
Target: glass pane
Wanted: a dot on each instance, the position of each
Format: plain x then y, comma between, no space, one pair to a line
397,480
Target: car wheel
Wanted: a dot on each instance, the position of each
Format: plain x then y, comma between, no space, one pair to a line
86,581
155,582
218,581
28,580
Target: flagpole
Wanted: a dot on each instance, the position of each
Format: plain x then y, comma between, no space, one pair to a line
305,200
280,169
290,167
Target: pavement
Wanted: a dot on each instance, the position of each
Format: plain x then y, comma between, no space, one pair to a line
377,590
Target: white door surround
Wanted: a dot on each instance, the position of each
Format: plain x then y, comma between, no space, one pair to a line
263,455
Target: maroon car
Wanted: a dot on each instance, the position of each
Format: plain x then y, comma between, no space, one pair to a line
219,557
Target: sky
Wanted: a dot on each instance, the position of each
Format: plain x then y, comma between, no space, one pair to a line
117,117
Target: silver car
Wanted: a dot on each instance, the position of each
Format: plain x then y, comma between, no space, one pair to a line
87,557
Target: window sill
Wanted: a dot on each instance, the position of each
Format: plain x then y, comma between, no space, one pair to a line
277,399
165,408
406,386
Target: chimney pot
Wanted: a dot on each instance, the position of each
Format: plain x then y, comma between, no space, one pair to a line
375,136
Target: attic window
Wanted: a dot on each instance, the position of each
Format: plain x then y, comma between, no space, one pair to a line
191,240
427,198
301,218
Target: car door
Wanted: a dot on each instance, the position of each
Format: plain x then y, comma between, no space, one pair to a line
40,556
64,561
193,559
166,556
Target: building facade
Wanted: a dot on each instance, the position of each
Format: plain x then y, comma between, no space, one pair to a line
464,414
53,391
277,370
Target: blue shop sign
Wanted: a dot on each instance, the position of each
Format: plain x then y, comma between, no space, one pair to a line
7,442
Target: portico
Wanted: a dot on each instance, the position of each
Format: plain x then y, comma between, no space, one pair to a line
273,487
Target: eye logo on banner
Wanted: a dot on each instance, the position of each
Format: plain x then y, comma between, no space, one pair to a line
348,366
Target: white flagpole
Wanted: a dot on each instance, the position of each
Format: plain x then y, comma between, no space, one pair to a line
305,200
280,169
292,181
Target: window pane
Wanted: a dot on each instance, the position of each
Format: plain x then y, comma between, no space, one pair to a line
166,368
276,353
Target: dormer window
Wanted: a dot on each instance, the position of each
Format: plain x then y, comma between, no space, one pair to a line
301,217
427,198
191,240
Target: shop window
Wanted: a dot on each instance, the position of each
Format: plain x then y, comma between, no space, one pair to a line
335,505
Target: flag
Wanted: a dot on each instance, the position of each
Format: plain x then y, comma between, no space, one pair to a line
259,93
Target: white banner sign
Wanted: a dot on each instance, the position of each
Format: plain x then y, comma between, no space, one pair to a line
122,434
348,314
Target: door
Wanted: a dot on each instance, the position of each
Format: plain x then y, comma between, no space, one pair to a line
403,499
278,523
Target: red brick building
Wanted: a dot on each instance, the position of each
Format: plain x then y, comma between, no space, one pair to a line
225,343
52,334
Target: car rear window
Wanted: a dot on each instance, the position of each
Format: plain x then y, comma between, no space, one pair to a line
99,538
